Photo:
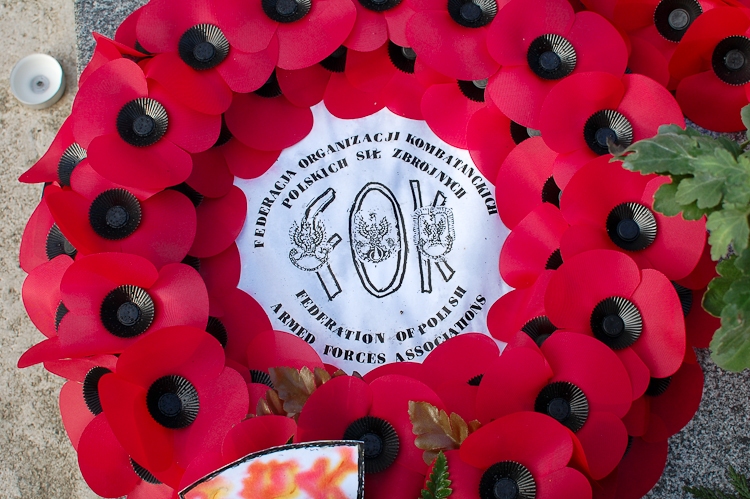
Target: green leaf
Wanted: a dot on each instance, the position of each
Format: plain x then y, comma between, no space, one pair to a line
738,481
728,227
438,485
730,145
745,115
702,189
742,262
730,346
668,153
692,212
664,199
713,299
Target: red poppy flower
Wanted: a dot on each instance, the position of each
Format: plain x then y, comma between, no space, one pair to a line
377,22
668,404
576,380
452,37
107,50
306,31
539,42
126,31
42,297
711,66
603,294
113,298
409,369
395,75
349,408
245,162
586,111
235,319
525,453
76,369
170,398
491,137
522,310
266,120
455,368
194,58
637,473
533,246
327,81
42,239
620,217
134,132
219,221
699,324
525,181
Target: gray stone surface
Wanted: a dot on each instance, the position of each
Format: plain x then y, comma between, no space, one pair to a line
37,459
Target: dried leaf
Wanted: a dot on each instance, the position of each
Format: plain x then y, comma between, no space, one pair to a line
270,405
321,376
293,386
338,373
436,431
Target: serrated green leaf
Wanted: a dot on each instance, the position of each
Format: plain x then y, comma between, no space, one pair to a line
730,346
668,153
713,299
702,189
692,212
730,145
745,115
678,130
738,294
742,262
664,199
728,227
738,181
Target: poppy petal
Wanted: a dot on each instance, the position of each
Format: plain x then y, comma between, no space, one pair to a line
245,24
219,222
347,102
369,32
641,468
598,45
42,296
450,48
332,408
257,434
221,272
104,464
513,310
648,105
180,297
204,91
529,247
488,140
497,398
275,125
247,72
397,20
711,103
521,179
156,167
447,111
604,439
45,170
637,371
210,175
535,440
324,29
243,317
245,162
679,403
370,71
661,345
460,359
279,349
74,411
304,87
566,483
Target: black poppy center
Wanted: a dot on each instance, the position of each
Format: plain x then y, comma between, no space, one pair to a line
685,296
115,214
631,226
336,62
539,329
70,158
270,88
551,57
173,402
730,60
657,386
216,328
564,402
607,127
117,217
127,311
91,389
380,440
507,480
142,122
616,322
613,325
475,380
519,133
472,13
379,5
672,18
128,314
551,192
286,11
403,58
57,244
473,90
144,474
203,46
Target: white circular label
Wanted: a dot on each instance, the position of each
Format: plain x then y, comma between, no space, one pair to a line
372,240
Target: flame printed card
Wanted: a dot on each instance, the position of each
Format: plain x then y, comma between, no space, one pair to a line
330,469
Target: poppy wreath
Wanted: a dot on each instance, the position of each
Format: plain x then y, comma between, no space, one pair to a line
586,368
